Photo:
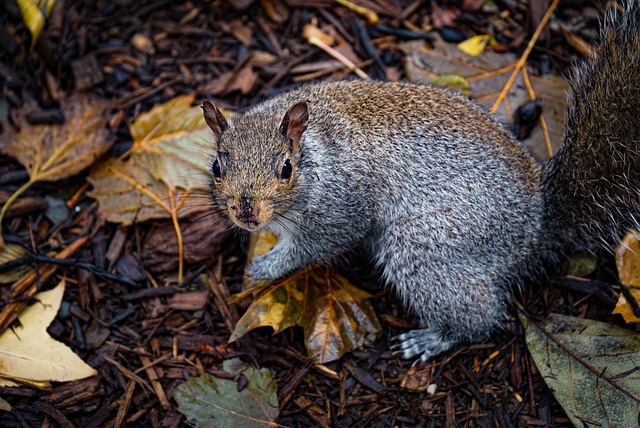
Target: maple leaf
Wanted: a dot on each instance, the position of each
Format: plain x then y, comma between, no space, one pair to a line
336,316
166,166
55,152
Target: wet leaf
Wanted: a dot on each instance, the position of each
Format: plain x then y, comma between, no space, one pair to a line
28,352
208,401
628,263
336,316
591,368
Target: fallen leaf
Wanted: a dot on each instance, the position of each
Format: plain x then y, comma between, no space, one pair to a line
34,14
12,252
55,152
336,316
28,352
591,368
128,193
209,402
174,143
475,45
166,165
628,263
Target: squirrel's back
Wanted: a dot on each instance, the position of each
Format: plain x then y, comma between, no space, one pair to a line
449,205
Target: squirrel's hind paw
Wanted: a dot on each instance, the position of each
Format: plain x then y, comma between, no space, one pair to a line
426,343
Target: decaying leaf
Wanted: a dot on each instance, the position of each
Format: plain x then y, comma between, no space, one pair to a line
336,316
628,263
591,367
55,152
28,352
209,402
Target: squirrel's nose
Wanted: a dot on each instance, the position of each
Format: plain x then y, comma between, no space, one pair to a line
246,212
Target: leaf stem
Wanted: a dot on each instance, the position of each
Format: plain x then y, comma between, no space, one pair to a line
11,199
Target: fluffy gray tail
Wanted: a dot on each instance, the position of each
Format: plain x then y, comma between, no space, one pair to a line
592,184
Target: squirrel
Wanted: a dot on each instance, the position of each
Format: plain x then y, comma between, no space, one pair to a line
448,204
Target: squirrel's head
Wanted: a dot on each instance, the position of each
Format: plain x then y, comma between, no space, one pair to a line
255,174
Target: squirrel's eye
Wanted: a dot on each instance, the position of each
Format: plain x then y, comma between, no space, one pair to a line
287,169
217,172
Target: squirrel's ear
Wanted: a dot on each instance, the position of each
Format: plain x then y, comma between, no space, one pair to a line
294,123
214,118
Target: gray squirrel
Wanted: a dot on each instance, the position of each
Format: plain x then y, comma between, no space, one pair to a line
450,207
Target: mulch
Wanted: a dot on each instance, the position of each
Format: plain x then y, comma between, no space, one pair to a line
144,332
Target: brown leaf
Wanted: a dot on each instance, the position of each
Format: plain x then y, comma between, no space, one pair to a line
54,152
336,316
128,193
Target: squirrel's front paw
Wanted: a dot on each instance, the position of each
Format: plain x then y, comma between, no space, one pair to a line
262,268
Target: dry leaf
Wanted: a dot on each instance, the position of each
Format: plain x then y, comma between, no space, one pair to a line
335,315
28,352
54,152
174,143
628,263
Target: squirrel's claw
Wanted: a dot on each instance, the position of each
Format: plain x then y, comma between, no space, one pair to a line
426,343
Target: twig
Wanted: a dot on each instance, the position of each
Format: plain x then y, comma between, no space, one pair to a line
523,59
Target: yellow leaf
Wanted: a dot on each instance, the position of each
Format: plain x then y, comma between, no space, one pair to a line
475,45
174,143
34,15
336,316
28,352
628,263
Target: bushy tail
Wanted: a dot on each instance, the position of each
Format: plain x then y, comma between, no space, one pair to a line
592,185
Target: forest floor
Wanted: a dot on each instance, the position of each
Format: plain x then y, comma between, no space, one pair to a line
146,332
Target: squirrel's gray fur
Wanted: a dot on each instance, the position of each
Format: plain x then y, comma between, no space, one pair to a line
448,204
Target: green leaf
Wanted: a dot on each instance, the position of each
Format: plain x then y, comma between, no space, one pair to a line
209,402
591,367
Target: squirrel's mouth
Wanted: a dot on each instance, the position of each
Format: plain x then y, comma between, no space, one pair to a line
249,215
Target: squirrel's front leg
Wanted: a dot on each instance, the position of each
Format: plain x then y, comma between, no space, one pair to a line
277,263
